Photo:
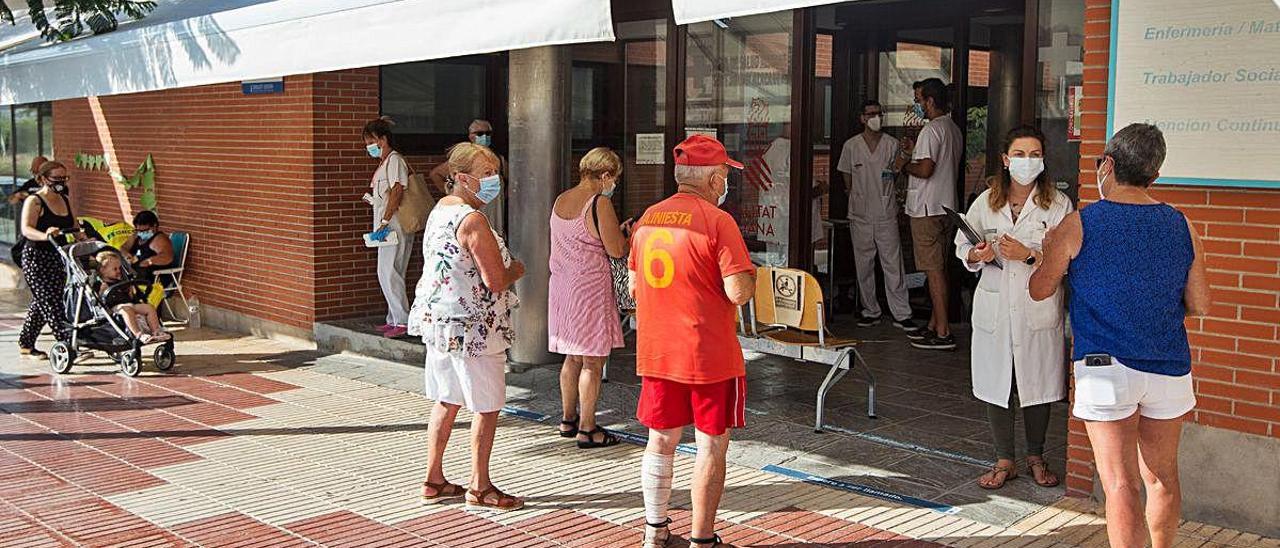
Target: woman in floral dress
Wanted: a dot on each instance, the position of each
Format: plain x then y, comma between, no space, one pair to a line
462,311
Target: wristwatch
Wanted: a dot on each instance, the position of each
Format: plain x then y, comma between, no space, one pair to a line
1031,259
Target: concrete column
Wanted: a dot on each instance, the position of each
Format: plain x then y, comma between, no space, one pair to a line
538,114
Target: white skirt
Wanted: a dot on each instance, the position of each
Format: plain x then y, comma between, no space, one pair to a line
479,383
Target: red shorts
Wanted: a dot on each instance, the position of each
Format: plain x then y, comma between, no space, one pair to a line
710,408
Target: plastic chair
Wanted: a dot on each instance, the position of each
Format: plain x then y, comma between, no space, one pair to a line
803,337
171,278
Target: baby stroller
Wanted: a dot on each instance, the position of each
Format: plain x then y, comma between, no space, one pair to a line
93,325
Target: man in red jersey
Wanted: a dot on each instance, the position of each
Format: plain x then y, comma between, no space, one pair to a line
689,273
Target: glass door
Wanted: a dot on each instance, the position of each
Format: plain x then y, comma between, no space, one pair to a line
645,146
628,77
738,90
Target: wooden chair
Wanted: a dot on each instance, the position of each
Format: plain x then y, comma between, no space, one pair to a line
802,337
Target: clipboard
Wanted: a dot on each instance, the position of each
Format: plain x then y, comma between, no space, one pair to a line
969,233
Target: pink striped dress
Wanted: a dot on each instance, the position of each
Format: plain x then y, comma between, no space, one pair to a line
582,314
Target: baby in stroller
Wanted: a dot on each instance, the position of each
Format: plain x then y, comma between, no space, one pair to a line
126,300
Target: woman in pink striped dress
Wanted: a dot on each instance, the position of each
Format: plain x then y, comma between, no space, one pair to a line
582,312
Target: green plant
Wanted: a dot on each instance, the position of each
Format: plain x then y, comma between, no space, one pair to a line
144,176
70,17
91,162
976,132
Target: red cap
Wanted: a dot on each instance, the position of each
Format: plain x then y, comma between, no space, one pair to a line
700,150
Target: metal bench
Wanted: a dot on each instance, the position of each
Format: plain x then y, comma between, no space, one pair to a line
802,336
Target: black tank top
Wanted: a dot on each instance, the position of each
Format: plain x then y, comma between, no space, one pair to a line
48,219
143,251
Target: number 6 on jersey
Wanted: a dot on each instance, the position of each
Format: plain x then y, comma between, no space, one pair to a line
651,254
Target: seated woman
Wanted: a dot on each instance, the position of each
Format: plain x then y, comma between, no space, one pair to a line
126,300
149,249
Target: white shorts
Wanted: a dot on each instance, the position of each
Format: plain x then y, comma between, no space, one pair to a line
1114,392
478,383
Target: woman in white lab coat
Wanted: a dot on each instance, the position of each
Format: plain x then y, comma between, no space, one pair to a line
1017,350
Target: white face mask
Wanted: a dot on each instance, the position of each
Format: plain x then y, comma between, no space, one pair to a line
1025,170
723,194
873,123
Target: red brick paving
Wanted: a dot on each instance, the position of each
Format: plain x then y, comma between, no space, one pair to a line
454,523
70,441
251,383
236,529
573,528
347,529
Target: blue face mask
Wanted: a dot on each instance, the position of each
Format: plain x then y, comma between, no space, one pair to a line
608,192
374,150
918,110
490,187
484,140
146,234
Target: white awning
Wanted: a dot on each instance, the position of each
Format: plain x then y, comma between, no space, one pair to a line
197,42
697,11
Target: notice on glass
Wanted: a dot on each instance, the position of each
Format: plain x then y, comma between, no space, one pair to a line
708,131
649,148
788,296
1207,74
1074,93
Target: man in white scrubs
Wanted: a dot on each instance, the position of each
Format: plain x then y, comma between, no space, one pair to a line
869,167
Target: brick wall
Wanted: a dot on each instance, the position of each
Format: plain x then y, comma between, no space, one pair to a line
232,170
346,283
268,186
1235,349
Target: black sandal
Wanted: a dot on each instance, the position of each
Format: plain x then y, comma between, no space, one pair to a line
658,535
572,432
713,541
609,440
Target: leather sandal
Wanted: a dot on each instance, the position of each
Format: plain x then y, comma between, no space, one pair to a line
502,502
441,492
572,432
1010,472
608,440
1038,464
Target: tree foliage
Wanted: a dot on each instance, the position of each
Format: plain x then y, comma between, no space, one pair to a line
67,19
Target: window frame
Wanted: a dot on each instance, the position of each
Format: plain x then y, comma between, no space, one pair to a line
493,107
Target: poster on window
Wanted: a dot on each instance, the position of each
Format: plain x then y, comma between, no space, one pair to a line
1073,112
708,131
1206,74
649,148
788,296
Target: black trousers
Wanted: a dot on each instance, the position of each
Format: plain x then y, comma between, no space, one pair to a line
47,277
1035,422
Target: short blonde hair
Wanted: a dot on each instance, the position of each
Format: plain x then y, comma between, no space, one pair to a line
463,157
104,257
598,163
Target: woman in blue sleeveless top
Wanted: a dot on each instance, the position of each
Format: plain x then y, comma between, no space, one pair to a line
1135,267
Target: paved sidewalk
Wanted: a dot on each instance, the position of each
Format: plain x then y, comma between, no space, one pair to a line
247,443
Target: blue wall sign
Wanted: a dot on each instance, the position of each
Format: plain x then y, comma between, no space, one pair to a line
262,86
